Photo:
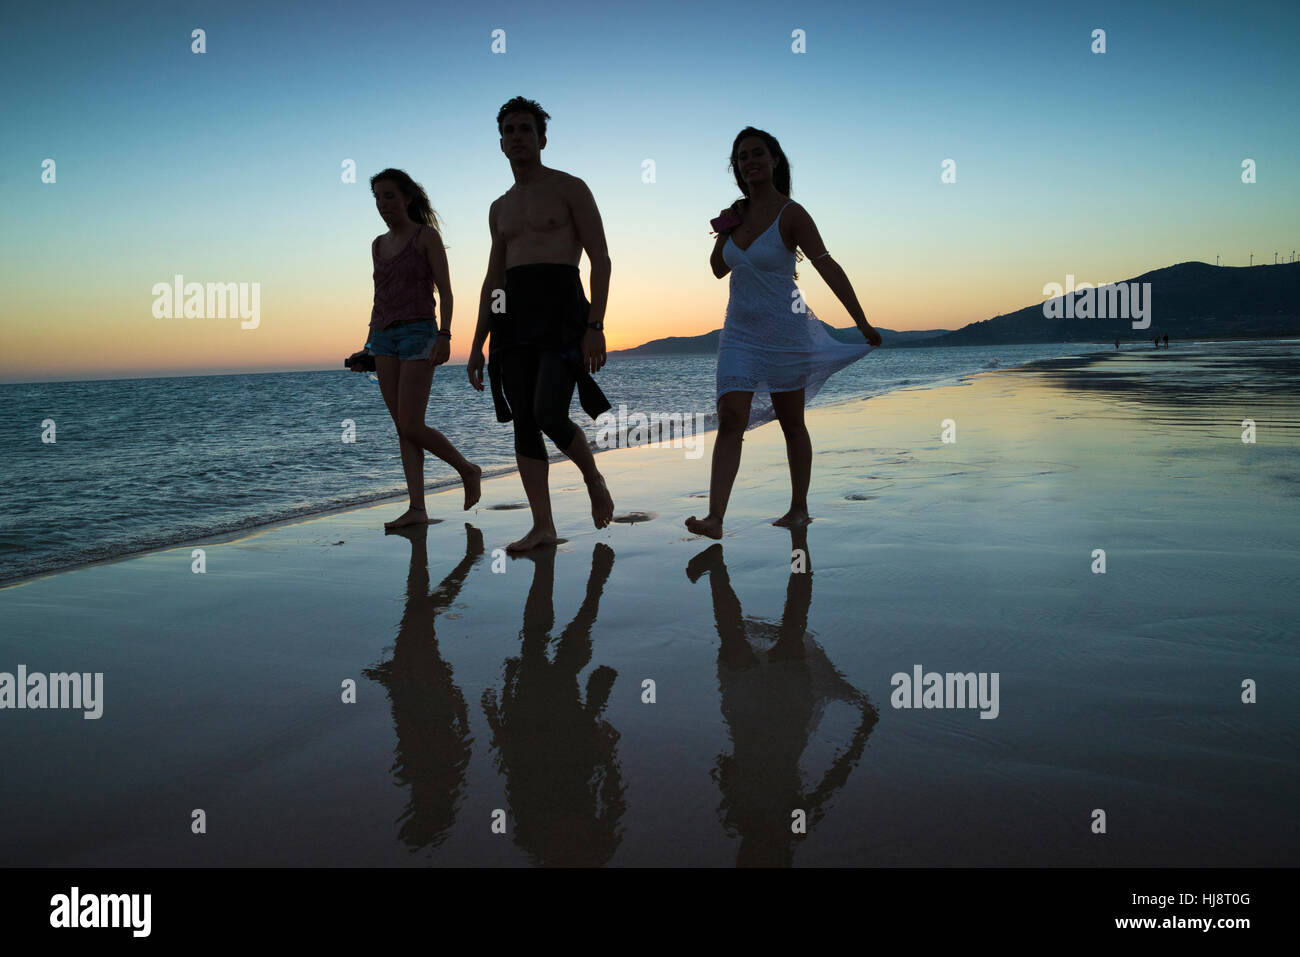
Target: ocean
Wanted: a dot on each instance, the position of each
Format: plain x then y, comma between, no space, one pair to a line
139,464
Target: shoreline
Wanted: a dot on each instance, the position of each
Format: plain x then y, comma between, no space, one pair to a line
436,486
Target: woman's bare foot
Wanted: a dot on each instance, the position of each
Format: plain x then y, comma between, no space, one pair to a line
602,503
472,486
534,538
412,516
710,525
794,518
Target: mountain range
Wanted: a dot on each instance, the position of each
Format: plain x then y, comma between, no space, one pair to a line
1191,300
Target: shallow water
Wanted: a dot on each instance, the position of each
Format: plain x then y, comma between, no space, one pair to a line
143,463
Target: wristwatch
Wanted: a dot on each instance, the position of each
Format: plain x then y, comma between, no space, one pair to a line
598,326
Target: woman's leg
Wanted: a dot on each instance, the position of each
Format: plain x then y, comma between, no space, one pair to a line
788,407
412,401
389,369
733,416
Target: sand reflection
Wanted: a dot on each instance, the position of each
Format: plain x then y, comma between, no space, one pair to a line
429,711
552,743
775,682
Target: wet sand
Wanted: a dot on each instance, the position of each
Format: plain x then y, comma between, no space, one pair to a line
489,684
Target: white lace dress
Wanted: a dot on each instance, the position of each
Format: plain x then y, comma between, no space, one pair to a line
767,345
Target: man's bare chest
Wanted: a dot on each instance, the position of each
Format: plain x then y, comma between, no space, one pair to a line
537,214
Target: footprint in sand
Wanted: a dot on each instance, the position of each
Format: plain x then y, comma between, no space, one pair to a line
507,506
631,518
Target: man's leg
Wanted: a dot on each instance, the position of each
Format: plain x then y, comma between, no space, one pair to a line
554,395
519,372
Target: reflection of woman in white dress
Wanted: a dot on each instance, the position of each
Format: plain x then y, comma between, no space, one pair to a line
771,342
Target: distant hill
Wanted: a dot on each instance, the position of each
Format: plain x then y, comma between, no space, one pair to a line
1191,300
708,343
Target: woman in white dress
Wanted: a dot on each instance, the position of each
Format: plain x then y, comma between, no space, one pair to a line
771,343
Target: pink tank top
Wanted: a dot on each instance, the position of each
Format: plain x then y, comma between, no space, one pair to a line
403,285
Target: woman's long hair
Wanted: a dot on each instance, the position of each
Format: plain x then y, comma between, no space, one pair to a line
780,172
419,208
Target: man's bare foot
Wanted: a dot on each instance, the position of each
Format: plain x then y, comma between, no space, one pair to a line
534,538
709,525
412,516
602,503
472,485
794,518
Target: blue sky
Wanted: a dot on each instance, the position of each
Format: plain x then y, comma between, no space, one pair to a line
226,165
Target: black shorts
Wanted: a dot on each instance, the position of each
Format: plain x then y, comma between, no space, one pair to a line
546,311
545,308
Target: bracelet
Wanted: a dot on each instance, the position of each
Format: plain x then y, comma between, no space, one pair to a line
827,253
442,333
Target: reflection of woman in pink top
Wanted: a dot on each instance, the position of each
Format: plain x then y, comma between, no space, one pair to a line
409,262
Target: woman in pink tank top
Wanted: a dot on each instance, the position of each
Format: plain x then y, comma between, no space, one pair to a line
409,263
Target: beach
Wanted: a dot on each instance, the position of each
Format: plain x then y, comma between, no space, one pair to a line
642,696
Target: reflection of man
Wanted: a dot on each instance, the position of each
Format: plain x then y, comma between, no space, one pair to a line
549,338
775,682
558,753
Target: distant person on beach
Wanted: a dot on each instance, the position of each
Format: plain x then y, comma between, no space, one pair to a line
547,338
409,262
1117,344
1166,340
1156,340
771,342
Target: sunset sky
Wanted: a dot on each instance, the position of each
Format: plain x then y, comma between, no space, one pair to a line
226,166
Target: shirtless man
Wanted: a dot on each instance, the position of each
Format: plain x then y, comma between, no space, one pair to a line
548,338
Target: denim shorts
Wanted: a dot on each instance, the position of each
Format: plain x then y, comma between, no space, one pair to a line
410,339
